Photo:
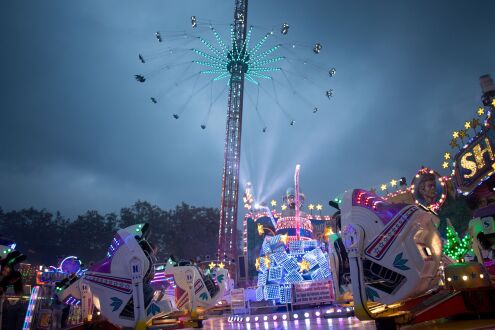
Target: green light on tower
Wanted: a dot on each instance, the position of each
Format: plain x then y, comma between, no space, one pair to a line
224,60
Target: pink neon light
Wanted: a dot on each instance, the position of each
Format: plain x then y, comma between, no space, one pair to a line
296,199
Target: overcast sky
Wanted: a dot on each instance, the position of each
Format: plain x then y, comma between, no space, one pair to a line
77,132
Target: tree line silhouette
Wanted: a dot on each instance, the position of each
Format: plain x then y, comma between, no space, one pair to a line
184,232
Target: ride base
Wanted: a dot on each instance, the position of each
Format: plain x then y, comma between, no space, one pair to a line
468,303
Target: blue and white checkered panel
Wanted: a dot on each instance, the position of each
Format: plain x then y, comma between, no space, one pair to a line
285,296
315,253
296,253
266,247
296,246
311,258
280,248
274,240
325,270
279,257
293,276
322,258
317,275
290,264
319,253
262,278
272,292
273,262
260,293
263,267
309,244
288,293
275,274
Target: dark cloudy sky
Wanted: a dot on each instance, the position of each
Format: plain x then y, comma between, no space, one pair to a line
78,133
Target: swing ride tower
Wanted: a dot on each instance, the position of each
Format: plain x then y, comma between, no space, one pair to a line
238,62
227,237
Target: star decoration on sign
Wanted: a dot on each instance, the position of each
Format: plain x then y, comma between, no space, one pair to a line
493,103
221,265
319,207
462,134
284,207
311,207
261,230
445,164
303,266
284,238
212,265
328,231
383,187
393,183
455,134
467,125
475,123
481,111
446,156
257,263
266,261
453,143
273,202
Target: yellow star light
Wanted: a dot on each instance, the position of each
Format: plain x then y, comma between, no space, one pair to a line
319,207
221,265
481,111
328,231
284,207
445,164
393,183
284,238
266,261
311,207
462,134
467,125
493,103
261,230
212,265
303,266
257,263
273,202
383,187
455,134
446,156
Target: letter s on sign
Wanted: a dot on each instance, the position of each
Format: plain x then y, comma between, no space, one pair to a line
468,165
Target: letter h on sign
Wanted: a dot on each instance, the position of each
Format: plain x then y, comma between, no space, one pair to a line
481,155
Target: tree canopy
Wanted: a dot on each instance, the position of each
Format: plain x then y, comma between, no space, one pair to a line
185,232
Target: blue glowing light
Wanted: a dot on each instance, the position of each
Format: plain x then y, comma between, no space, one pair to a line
223,60
300,261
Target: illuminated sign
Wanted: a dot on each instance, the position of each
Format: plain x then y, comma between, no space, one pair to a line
475,163
48,277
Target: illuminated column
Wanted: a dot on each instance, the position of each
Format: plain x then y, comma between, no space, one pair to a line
227,238
296,200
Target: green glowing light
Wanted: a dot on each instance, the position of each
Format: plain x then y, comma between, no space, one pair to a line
223,61
455,247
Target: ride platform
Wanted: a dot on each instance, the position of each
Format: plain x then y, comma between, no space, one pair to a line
441,305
